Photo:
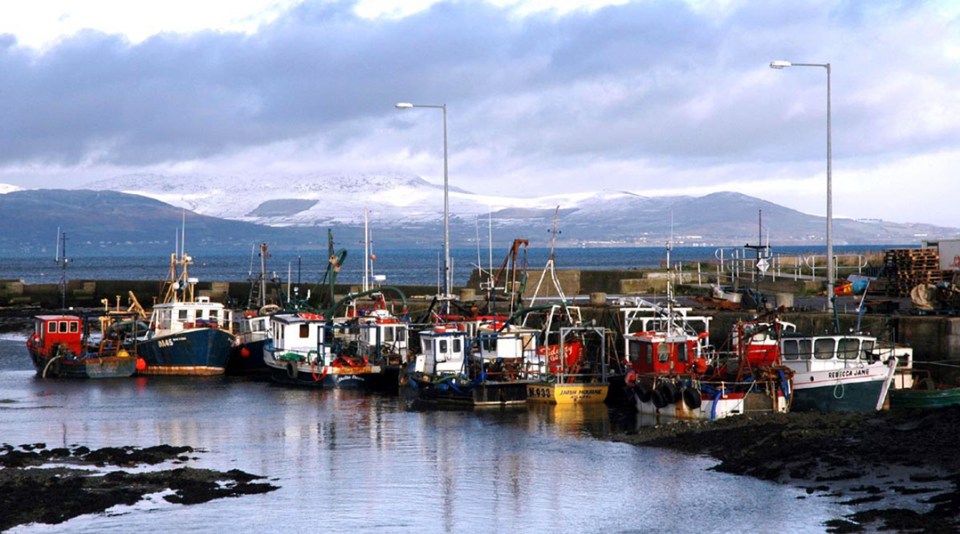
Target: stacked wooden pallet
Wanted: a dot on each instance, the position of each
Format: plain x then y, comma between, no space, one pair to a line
906,268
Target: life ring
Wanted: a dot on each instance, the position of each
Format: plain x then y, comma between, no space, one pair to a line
692,398
292,370
268,309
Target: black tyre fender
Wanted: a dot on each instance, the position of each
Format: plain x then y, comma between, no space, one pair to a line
692,398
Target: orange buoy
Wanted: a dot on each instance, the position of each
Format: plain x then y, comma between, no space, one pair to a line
245,352
141,364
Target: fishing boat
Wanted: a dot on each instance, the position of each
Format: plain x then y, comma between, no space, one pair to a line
381,338
572,363
576,371
839,372
251,331
62,346
252,326
191,335
925,394
672,374
569,369
440,374
304,351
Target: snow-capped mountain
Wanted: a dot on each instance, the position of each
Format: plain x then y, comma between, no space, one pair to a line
408,209
323,198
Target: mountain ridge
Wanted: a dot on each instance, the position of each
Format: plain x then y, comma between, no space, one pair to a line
407,210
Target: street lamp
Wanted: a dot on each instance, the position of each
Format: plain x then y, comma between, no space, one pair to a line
780,64
447,272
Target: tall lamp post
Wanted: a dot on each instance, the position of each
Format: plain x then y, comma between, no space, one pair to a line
780,64
447,272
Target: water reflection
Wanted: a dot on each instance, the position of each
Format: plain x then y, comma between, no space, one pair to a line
570,420
352,461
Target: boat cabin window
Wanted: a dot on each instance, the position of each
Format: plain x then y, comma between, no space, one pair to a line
304,331
790,350
638,350
163,319
489,343
848,348
824,348
682,352
213,315
866,350
663,352
182,315
796,349
52,327
457,346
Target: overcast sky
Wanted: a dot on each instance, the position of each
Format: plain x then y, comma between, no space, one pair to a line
653,97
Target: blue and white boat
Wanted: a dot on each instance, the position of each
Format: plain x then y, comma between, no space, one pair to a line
189,335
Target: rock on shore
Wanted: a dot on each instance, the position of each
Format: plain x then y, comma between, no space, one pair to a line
898,470
41,485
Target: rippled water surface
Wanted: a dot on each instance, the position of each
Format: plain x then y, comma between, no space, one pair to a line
349,461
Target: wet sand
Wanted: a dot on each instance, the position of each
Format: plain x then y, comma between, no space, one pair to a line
897,471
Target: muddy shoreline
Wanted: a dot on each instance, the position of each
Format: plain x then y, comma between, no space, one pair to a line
41,485
897,471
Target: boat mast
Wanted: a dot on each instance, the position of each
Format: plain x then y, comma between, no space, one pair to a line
61,245
366,250
550,266
263,274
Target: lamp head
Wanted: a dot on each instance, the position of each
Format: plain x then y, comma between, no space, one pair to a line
404,105
780,64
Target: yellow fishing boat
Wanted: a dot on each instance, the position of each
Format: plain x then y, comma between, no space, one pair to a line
575,370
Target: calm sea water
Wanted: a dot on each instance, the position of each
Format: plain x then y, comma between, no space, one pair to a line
349,461
400,266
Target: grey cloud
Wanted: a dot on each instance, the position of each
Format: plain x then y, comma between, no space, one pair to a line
646,80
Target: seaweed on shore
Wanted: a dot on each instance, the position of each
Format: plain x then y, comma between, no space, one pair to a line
32,491
895,455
